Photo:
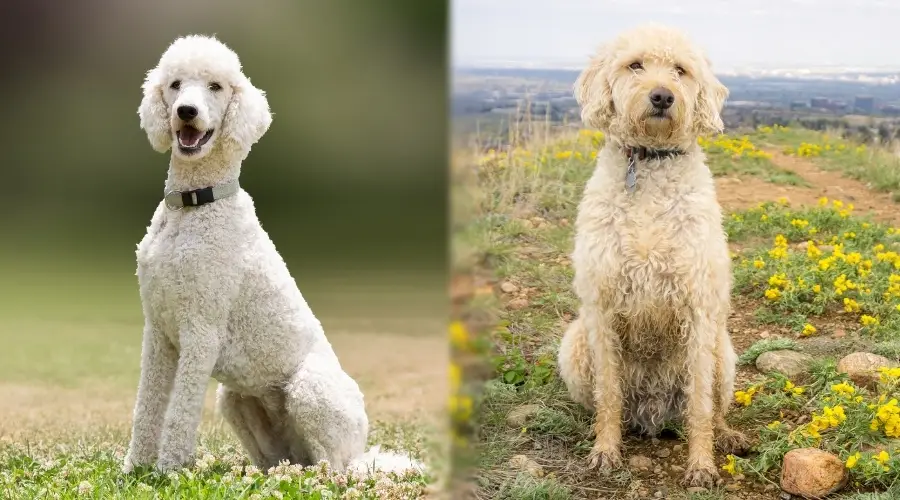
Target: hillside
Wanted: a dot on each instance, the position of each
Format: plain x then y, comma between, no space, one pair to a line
811,222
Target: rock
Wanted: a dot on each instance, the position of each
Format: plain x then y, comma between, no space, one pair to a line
663,452
677,448
812,473
677,469
862,367
640,462
839,333
732,487
508,287
525,464
518,303
518,416
697,489
785,361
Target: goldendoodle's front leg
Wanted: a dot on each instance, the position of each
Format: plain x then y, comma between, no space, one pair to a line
603,344
728,440
199,351
158,363
701,468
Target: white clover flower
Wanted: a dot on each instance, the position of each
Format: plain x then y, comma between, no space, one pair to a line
85,488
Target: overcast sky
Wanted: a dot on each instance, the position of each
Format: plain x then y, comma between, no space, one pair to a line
735,33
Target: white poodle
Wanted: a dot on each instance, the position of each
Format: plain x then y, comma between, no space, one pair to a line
652,267
218,299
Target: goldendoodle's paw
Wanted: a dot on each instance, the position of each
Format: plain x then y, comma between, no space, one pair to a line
704,477
604,460
732,442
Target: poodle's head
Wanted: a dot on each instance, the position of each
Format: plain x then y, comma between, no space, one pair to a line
651,87
197,99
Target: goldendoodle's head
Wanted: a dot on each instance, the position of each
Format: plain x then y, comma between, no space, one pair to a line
651,87
197,97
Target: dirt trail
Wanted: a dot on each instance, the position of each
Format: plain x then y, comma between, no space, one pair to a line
745,192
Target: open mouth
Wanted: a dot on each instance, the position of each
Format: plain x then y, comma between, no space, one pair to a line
191,140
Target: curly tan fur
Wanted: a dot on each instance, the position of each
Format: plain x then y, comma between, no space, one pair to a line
652,268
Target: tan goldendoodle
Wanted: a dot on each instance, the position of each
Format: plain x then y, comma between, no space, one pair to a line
652,267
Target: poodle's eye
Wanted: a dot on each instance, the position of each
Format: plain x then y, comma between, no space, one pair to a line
636,65
175,85
215,87
680,70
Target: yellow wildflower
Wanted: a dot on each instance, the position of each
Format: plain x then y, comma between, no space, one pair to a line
808,330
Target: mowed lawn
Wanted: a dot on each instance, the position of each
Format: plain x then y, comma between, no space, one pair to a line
70,341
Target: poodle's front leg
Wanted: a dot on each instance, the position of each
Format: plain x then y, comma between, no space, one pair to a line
197,357
158,364
701,362
607,391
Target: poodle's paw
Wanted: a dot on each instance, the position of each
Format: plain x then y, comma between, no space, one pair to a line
132,462
704,476
606,460
732,442
171,461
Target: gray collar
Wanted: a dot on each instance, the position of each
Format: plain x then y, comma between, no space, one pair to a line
176,200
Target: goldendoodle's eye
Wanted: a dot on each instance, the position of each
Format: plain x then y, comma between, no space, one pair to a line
636,66
175,85
215,87
679,70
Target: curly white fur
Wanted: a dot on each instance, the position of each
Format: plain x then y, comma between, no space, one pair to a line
652,267
218,299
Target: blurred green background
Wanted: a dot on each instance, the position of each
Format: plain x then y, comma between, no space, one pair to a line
349,181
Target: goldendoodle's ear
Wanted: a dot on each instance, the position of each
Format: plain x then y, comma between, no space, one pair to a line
710,99
248,116
593,94
154,113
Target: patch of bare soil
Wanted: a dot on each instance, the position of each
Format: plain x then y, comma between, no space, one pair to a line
403,378
736,193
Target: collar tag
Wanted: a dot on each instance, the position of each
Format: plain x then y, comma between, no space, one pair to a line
631,173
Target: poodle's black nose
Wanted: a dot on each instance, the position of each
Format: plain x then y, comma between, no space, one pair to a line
660,97
190,112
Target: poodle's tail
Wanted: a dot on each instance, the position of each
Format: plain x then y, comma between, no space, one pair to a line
376,460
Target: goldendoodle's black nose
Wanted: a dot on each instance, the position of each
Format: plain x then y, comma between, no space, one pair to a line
190,112
660,97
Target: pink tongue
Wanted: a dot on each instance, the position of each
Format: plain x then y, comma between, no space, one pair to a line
189,136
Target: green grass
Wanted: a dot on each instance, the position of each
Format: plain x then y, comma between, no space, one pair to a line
730,155
91,469
749,356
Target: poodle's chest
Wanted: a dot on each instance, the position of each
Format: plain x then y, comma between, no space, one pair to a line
179,270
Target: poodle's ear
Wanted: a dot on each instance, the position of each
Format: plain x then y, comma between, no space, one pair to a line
710,99
154,113
592,91
248,116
